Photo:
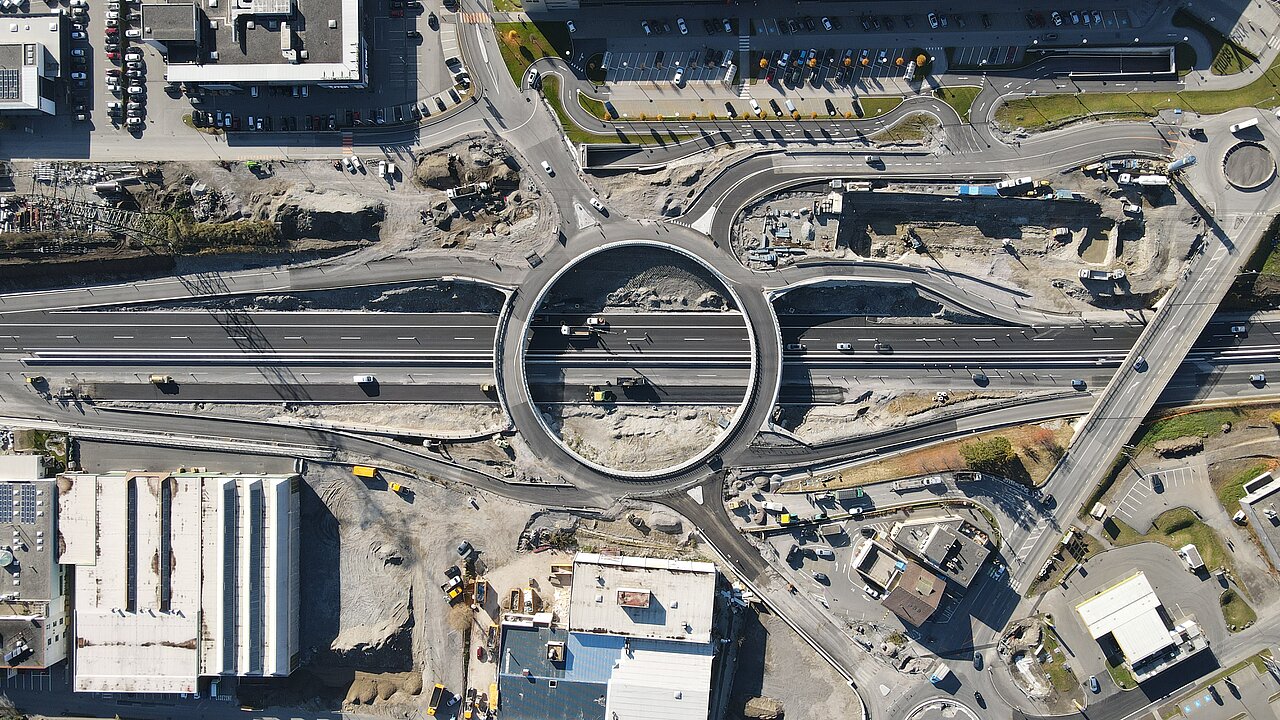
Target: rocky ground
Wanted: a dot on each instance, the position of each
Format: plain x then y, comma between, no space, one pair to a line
887,303
875,411
637,279
1010,241
421,297
636,437
418,419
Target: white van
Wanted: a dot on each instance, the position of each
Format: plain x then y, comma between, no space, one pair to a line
755,108
362,379
791,107
774,507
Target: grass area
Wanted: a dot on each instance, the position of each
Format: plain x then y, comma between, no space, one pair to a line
1054,110
876,105
523,42
1037,447
916,128
507,5
1236,611
1120,675
1060,674
1082,550
1257,287
551,91
1199,423
959,98
595,107
1228,57
1228,479
1174,529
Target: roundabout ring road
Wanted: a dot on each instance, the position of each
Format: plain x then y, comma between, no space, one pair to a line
521,334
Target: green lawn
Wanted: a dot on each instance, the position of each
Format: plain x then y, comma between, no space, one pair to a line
523,42
874,106
1236,611
1060,675
959,98
1053,110
1175,528
916,128
1121,675
507,5
1228,57
551,91
595,107
1204,422
1232,489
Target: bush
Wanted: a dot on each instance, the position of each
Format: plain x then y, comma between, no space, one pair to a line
1275,418
226,237
992,455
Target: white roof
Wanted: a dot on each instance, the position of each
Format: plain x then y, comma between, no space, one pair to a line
21,467
661,680
668,599
214,581
1129,611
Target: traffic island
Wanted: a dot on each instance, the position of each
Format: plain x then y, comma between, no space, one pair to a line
1249,166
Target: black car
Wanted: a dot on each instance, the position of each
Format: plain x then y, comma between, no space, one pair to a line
831,108
710,26
433,22
413,35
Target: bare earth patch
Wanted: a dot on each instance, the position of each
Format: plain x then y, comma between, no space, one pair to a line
637,437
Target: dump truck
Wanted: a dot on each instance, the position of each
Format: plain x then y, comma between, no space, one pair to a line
437,696
902,486
452,589
364,471
397,488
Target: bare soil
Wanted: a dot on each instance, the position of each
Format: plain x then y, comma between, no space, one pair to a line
637,279
876,411
636,437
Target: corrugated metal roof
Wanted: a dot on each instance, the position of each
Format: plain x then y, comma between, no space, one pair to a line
661,680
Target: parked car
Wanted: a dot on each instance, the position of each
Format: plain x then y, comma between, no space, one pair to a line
1093,684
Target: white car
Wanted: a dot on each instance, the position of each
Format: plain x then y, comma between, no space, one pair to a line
77,52
826,23
1131,209
595,203
571,26
137,89
79,76
871,592
363,379
534,76
133,33
79,35
133,55
679,77
684,29
933,21
844,347
111,15
546,167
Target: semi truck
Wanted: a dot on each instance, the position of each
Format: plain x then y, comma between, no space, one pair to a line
576,331
1086,274
912,484
1152,180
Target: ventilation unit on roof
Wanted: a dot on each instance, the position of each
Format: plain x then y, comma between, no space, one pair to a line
333,24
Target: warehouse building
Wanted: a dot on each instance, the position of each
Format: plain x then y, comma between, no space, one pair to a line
31,64
1128,616
638,644
180,576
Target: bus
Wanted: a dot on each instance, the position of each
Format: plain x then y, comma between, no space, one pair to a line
1244,125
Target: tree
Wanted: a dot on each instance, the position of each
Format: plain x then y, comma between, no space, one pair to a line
921,60
992,455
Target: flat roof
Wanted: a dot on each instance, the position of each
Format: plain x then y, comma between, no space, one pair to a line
877,563
180,575
170,22
1130,612
642,597
661,680
264,43
949,545
580,681
32,44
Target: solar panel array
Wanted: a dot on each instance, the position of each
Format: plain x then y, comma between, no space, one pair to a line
17,503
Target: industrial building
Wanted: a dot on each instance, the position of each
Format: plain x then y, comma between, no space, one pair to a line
638,643
180,576
910,591
31,63
1129,616
33,623
950,545
222,44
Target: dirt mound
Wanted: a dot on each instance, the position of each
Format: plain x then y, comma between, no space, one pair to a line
306,212
478,161
639,277
1179,447
762,708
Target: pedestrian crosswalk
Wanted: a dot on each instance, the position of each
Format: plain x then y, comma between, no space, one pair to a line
744,56
476,18
348,143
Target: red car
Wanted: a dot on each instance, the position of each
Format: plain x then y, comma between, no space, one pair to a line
113,56
113,31
235,123
397,13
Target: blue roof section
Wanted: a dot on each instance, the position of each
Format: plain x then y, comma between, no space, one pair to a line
580,684
591,657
